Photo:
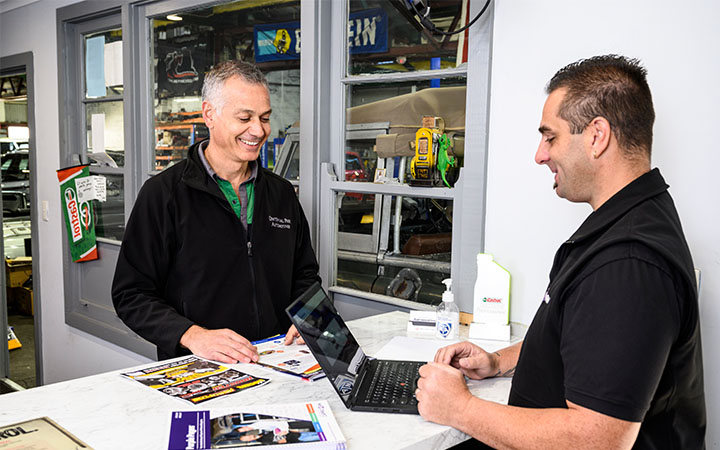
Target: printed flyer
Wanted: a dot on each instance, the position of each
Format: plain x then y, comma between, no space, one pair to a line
298,425
194,379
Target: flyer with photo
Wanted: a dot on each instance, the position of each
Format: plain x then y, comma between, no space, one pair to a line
194,379
308,425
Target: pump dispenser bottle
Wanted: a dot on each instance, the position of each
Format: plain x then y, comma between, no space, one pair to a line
448,315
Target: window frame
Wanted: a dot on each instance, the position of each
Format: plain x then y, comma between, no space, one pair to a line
468,195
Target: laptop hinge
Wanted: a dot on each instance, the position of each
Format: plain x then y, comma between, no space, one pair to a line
362,371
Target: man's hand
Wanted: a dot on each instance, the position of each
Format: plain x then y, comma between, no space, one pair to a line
292,335
471,360
441,393
219,345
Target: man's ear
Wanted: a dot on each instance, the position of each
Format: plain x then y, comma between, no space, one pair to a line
600,135
208,114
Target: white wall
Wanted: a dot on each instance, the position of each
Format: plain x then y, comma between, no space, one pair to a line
67,352
526,221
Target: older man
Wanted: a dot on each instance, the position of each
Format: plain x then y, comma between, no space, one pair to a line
216,247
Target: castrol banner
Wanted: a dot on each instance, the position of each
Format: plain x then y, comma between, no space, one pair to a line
79,218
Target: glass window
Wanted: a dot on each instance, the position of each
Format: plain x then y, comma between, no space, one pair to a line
384,119
393,245
385,37
108,118
103,64
110,222
104,125
403,128
186,47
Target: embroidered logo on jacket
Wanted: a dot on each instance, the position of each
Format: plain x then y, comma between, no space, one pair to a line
280,222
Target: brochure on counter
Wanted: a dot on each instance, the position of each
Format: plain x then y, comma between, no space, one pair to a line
194,379
38,434
294,359
309,425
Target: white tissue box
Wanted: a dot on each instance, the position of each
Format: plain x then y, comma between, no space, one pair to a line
421,324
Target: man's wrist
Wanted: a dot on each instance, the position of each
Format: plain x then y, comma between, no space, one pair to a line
187,337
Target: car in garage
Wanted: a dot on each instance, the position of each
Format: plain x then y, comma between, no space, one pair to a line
15,166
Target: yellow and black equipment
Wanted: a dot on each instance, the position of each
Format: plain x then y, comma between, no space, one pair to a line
431,161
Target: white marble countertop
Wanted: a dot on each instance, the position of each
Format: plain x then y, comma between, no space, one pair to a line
108,411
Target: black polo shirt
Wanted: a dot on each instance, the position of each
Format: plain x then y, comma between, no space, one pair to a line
618,330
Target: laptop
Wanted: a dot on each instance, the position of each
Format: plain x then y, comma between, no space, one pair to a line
363,383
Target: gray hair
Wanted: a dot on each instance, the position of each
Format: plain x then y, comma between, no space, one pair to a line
217,76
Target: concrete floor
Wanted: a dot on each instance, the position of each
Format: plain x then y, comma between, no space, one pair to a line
22,360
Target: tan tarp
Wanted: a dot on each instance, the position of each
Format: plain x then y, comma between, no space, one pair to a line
405,114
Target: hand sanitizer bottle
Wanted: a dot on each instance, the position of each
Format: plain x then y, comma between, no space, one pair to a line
448,315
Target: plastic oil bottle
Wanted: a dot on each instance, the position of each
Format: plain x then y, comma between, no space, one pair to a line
447,315
491,303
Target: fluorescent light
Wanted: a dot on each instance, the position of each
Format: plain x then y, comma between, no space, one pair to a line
174,17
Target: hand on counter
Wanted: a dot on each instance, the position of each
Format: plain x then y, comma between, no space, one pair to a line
292,335
219,345
476,363
441,393
471,360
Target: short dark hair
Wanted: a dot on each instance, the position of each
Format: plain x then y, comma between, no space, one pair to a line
610,86
217,76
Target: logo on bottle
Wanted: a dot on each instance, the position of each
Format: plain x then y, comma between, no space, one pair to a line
444,328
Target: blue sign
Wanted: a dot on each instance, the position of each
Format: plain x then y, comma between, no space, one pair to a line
277,42
367,33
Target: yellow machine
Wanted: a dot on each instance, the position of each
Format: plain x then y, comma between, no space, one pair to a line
422,166
431,161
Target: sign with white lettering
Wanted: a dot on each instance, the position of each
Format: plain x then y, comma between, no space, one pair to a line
367,33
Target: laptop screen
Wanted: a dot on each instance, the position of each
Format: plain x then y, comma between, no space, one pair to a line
330,340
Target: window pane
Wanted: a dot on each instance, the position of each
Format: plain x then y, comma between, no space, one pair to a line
110,214
103,64
104,120
401,250
384,122
184,50
385,37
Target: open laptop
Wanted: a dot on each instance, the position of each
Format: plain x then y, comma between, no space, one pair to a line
363,383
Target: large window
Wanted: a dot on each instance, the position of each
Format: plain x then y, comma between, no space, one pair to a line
104,125
131,77
187,43
404,130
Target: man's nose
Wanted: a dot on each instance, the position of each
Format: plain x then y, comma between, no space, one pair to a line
541,155
257,128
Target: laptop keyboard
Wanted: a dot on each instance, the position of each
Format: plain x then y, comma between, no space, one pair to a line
394,383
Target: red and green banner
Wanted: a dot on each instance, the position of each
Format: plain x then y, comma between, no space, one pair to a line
78,214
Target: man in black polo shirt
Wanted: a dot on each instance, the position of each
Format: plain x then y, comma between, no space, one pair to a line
612,358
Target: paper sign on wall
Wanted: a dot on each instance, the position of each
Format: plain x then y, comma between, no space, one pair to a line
91,188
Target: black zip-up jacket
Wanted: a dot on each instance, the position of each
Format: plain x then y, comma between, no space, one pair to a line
187,259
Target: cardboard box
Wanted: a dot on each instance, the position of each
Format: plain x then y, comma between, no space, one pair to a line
17,271
22,299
